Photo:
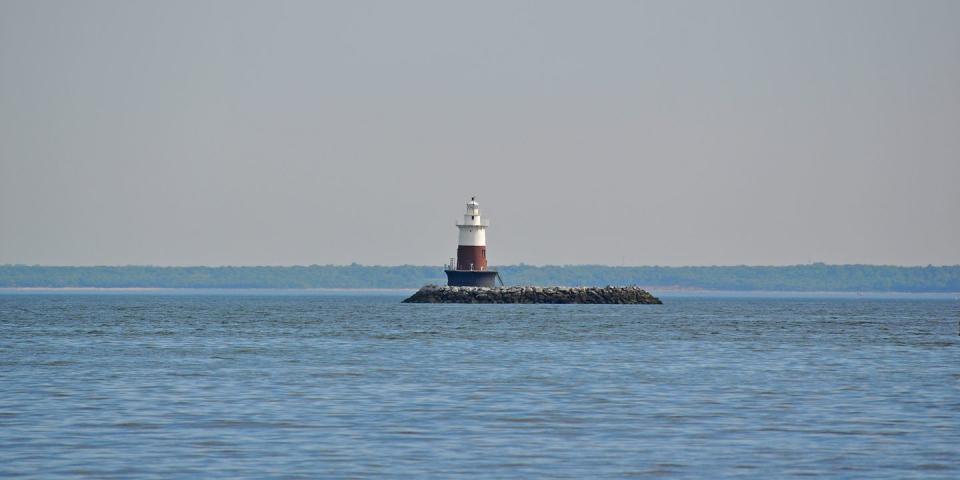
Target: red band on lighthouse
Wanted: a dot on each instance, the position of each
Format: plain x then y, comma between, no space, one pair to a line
471,257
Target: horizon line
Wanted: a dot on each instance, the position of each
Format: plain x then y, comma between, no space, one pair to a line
521,264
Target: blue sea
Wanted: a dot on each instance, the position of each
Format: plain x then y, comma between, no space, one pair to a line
214,384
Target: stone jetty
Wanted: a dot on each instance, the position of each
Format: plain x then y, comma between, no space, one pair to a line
594,295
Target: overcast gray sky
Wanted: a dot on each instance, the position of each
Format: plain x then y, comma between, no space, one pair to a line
637,133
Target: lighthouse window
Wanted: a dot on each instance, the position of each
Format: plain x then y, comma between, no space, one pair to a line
471,217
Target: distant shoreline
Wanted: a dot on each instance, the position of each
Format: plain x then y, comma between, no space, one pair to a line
142,289
193,289
815,277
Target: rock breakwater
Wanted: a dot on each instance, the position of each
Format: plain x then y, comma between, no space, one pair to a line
594,295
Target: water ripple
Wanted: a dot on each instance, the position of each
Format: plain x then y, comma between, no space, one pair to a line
160,386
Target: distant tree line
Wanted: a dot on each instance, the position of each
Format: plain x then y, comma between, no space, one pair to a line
813,277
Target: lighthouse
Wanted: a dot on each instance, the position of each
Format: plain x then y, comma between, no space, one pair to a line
470,267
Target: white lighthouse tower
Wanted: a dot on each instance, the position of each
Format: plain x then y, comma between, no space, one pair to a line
470,267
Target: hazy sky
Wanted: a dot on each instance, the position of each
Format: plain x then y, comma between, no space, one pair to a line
638,133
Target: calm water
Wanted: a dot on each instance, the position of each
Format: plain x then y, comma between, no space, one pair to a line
267,386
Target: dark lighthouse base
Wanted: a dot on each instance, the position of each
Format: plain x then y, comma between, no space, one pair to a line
471,278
